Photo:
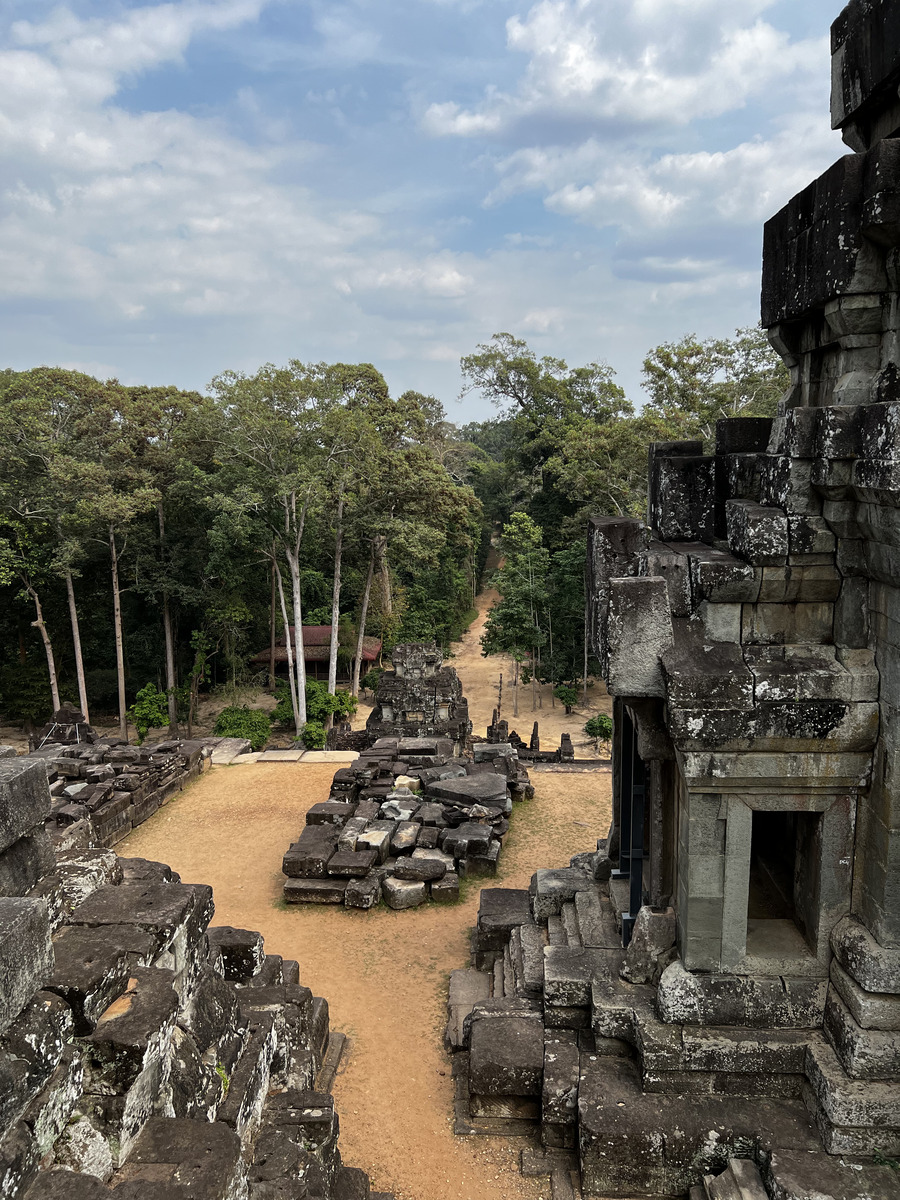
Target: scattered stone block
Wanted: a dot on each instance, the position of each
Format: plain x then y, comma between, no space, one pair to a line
315,891
446,889
26,954
352,863
419,870
308,857
331,812
403,893
241,951
24,798
377,841
363,893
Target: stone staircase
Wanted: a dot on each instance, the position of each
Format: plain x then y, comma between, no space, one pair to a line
550,1042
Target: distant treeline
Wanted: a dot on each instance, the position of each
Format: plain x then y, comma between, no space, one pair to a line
154,535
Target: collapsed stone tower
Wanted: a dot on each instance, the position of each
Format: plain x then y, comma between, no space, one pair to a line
420,698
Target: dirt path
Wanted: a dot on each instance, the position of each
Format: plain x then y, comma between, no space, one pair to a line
480,678
383,973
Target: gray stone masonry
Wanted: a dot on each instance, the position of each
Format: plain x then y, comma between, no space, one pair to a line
144,1053
405,822
718,987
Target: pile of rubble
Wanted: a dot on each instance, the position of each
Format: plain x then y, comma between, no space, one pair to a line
557,1029
405,822
141,1051
109,785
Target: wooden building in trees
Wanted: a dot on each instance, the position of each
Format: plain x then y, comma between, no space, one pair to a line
316,646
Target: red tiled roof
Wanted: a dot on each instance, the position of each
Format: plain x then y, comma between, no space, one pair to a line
316,646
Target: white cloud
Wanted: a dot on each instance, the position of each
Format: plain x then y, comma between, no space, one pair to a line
638,63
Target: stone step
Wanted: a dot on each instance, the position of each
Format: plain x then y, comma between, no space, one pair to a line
810,1176
556,933
570,924
854,1116
467,986
497,980
509,977
526,945
621,1147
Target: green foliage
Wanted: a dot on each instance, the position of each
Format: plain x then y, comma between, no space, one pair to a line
26,692
566,695
599,727
320,704
313,735
369,681
149,711
250,723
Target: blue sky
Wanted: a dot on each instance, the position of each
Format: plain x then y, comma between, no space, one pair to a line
205,185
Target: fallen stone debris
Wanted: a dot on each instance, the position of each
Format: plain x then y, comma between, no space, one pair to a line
404,823
143,1052
710,1004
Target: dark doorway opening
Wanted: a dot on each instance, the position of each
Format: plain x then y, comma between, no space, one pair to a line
773,853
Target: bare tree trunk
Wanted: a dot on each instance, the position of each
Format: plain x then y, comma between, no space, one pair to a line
584,684
117,625
336,603
41,627
272,632
167,630
516,689
360,637
76,641
299,658
170,667
287,641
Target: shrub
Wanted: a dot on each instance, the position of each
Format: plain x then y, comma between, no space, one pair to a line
369,681
600,727
313,735
566,695
250,723
320,703
149,711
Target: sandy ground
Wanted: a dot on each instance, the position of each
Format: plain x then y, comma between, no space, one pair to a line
384,973
481,678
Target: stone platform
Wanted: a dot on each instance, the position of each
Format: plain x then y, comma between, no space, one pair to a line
404,823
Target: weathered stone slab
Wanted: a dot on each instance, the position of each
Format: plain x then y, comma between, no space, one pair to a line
376,840
352,863
241,950
751,1001
170,1150
468,838
419,870
871,1010
402,893
93,966
864,1053
506,1056
26,954
315,891
308,857
874,967
446,889
330,812
403,839
569,972
24,798
363,893
176,914
551,889
24,862
486,787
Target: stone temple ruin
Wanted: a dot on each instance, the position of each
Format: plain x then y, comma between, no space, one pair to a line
420,698
404,823
712,1002
144,1053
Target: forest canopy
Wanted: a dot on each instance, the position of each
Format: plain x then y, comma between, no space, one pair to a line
156,538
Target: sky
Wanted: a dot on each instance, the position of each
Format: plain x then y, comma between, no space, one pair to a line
207,185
